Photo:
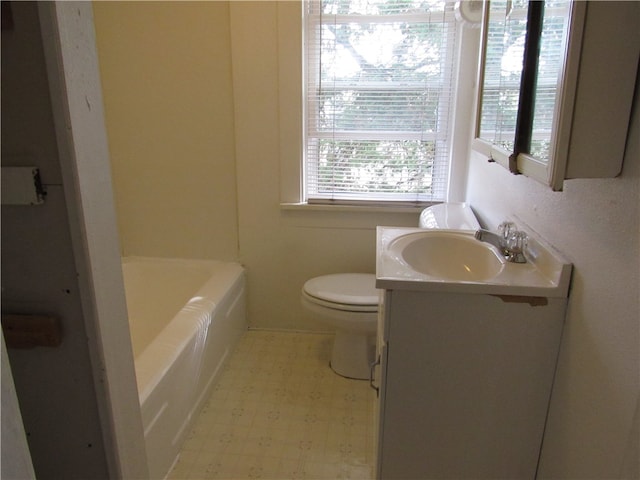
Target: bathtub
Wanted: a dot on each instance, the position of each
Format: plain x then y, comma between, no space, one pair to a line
185,317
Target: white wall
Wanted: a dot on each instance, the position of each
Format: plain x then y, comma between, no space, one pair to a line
69,42
55,386
595,223
15,458
79,399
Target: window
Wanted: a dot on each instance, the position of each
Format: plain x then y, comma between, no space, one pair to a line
380,80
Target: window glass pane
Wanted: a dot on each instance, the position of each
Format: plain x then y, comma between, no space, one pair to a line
504,59
380,78
502,71
550,69
375,166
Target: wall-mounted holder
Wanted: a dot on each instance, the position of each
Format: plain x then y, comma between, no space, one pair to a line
22,186
28,331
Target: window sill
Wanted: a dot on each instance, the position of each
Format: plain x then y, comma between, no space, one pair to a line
372,208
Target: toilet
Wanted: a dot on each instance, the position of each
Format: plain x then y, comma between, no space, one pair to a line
348,302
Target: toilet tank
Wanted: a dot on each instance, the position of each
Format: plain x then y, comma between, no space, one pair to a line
452,216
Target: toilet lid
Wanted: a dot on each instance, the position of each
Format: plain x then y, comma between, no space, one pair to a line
344,288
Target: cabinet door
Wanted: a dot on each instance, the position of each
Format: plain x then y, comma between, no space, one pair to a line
466,387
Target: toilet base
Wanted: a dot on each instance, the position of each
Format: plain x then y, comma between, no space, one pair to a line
353,355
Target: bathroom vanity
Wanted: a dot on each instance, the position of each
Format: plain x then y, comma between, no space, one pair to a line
466,363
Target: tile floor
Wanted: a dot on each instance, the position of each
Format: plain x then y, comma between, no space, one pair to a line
279,412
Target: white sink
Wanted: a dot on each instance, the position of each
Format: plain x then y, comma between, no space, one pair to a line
448,255
454,261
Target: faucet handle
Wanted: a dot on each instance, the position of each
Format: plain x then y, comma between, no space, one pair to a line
517,241
505,230
516,244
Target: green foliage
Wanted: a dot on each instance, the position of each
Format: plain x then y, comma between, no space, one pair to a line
376,166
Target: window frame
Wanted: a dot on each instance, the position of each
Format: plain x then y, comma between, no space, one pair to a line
459,105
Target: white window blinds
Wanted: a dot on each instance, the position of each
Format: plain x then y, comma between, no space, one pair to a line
379,81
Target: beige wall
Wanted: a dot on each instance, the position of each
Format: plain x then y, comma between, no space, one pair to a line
166,79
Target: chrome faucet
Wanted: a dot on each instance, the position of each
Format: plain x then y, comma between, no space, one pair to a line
509,241
492,238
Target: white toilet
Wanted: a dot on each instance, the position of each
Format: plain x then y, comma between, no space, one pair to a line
348,302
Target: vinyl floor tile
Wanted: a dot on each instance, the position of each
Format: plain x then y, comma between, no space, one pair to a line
279,412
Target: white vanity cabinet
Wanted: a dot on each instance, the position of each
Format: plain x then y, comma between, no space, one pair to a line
465,382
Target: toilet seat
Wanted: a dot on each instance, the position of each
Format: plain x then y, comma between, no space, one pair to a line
352,292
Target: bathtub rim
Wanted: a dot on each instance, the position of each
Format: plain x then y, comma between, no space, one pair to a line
171,342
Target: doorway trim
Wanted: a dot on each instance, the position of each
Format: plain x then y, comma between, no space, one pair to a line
74,82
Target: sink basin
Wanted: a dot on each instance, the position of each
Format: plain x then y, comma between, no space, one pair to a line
446,255
453,261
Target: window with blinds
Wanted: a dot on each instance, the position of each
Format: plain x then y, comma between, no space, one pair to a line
524,58
379,82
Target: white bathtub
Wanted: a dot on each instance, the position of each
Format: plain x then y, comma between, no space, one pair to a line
185,317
